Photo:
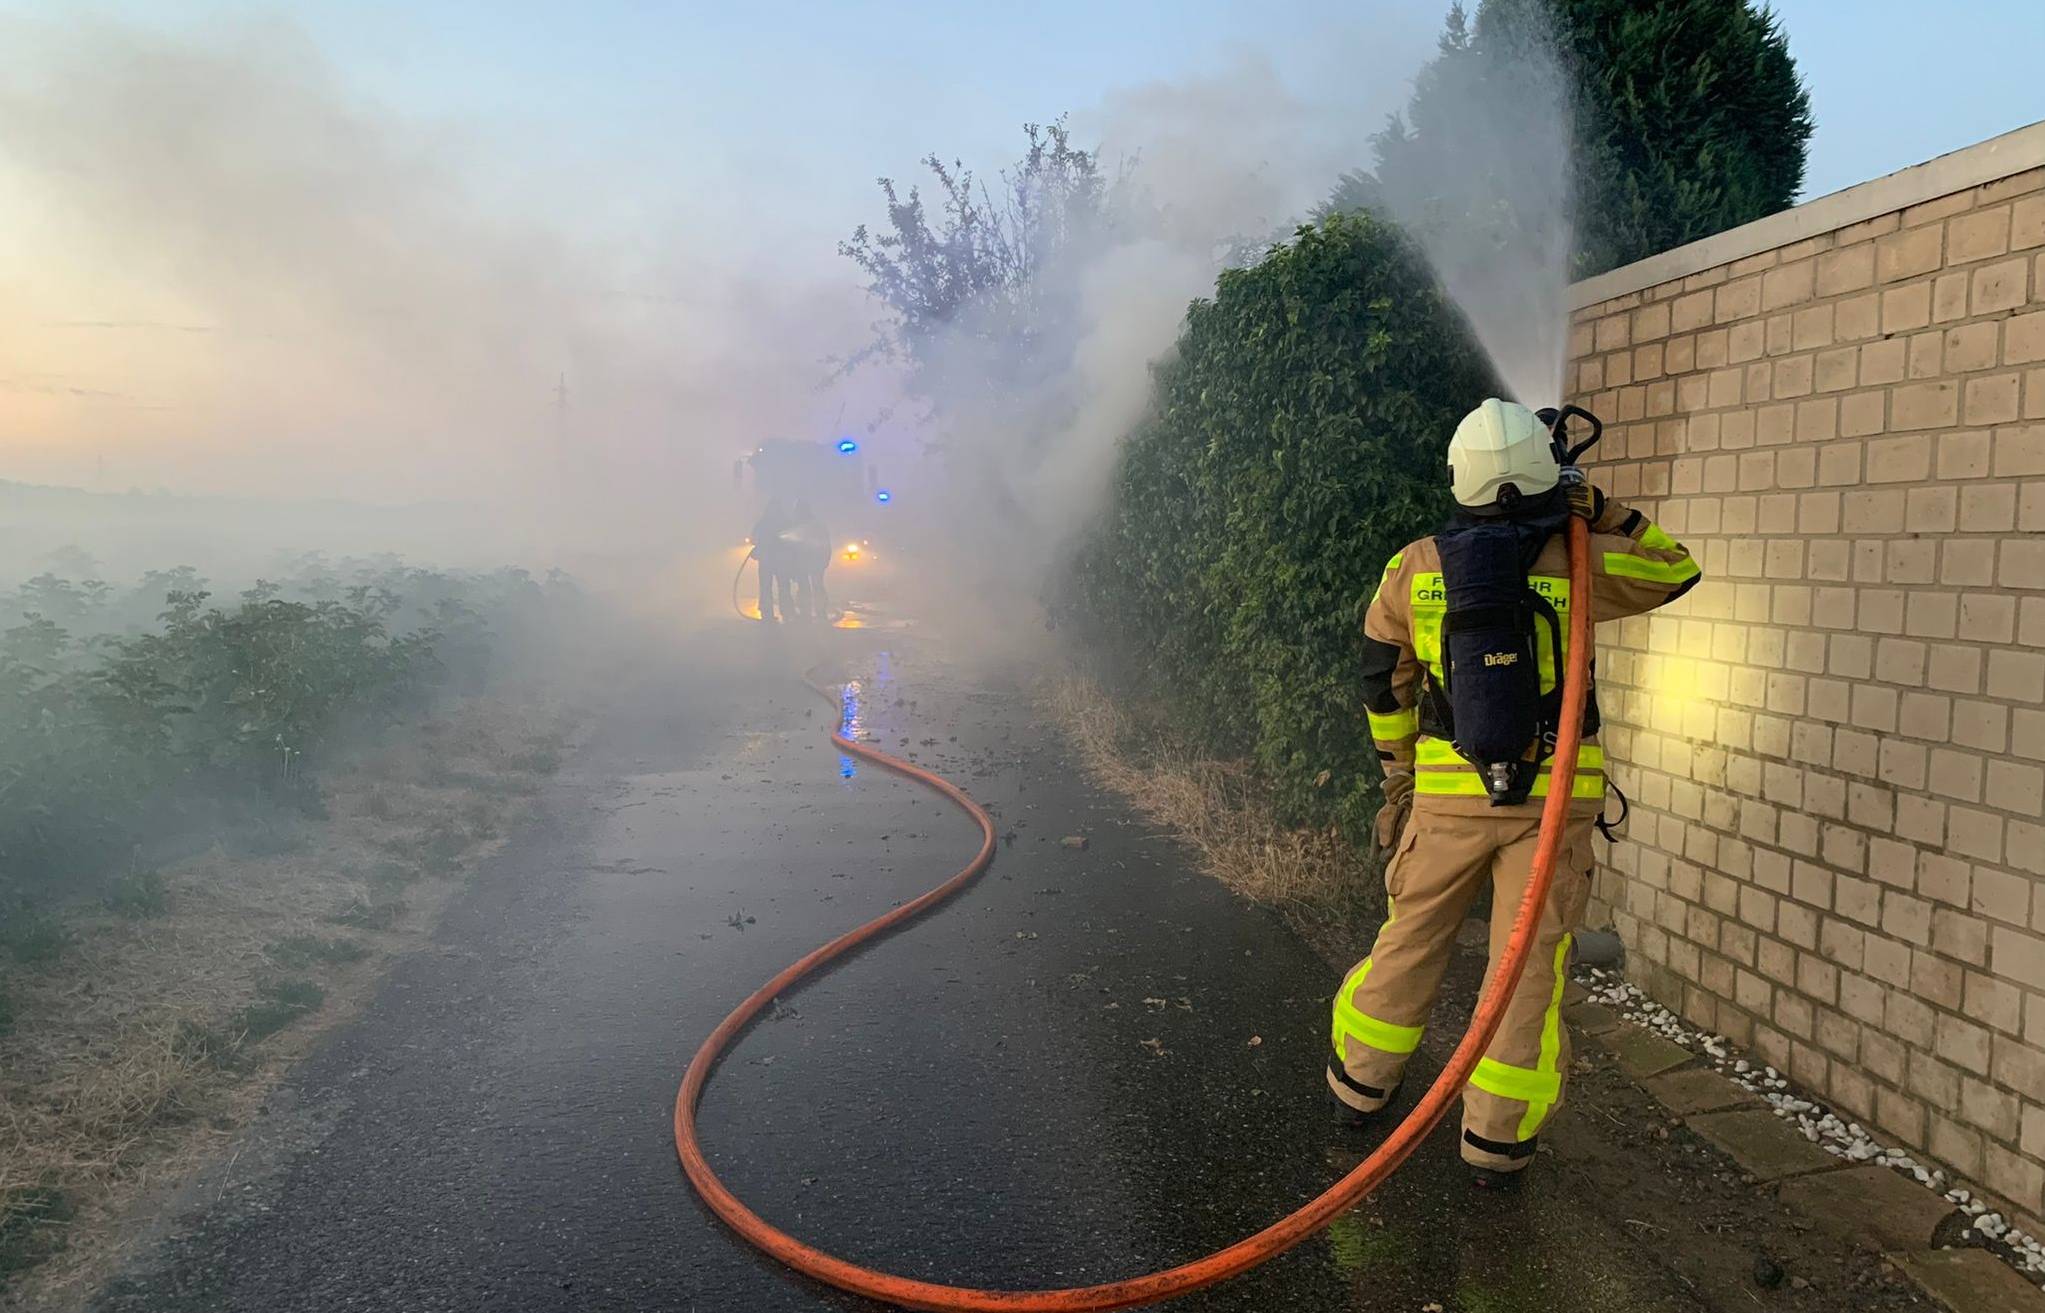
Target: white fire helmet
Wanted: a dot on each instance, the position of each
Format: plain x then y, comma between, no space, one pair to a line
1501,453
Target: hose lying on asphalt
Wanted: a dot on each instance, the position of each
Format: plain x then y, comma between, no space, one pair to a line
1245,1254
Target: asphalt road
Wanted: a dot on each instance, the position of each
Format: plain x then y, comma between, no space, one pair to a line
1094,1063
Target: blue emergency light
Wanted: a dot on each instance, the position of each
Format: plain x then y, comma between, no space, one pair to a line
847,446
884,496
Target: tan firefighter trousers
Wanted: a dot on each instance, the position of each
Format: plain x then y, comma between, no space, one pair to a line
1439,863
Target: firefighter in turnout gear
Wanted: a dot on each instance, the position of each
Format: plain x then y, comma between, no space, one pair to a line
1464,645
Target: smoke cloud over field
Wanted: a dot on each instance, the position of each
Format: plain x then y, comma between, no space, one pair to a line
238,275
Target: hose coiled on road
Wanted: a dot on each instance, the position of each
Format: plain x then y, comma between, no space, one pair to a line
1245,1254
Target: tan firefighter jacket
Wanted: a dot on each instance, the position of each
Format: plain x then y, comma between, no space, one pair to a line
1635,567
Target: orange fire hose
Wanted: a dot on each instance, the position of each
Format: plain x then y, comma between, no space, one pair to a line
1244,1254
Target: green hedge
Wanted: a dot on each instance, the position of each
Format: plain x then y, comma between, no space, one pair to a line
1296,441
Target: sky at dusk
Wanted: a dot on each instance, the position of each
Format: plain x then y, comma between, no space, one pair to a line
356,246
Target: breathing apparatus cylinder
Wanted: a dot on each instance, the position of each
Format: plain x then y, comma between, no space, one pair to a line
1507,465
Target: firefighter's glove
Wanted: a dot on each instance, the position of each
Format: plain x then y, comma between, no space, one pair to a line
1583,497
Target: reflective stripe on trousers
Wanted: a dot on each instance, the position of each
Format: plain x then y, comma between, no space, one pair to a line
1541,1087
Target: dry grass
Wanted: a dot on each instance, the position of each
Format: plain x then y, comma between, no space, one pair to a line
139,1051
1323,885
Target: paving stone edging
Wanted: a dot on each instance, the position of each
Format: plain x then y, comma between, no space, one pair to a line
1862,1203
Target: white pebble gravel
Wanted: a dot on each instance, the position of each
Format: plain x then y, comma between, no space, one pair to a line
1846,1139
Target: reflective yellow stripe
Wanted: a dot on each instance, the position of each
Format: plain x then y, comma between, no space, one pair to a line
1380,1035
1467,784
1517,1083
1444,774
1432,751
1654,572
1551,1045
1654,536
1352,1023
1390,566
1395,726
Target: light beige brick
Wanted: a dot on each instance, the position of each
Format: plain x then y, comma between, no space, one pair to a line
2021,565
1853,319
2002,895
1883,362
1992,399
1899,460
1747,340
1968,563
2017,676
2019,452
2013,787
1909,253
1924,405
1793,284
2000,286
1939,207
2023,338
1975,834
1792,377
1949,298
1983,725
1964,455
2016,184
1955,669
1863,413
2027,223
1846,270
1986,617
1738,299
1906,308
2015,955
1933,510
1909,561
1837,369
1971,346
1927,355
1881,609
1978,235
1755,263
1651,322
1868,229
1691,312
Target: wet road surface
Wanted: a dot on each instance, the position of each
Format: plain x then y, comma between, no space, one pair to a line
1093,1063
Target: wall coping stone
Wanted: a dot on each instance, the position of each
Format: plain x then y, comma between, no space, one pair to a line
1984,162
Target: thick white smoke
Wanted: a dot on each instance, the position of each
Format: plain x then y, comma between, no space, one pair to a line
1212,169
1489,194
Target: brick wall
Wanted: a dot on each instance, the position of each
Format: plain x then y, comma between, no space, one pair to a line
1835,746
